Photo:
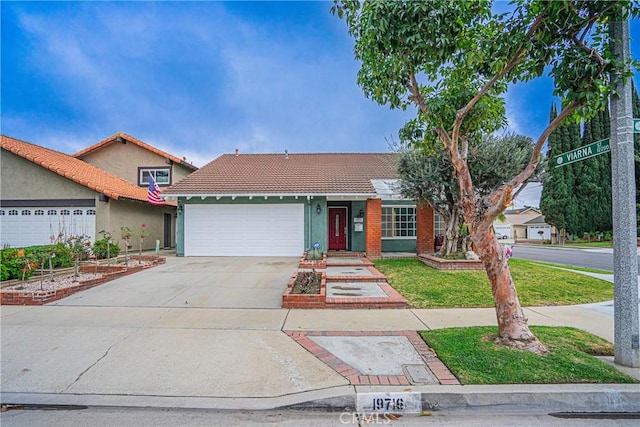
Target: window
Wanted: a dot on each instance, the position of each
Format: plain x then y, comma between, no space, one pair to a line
1,211
91,211
398,222
65,212
26,212
13,212
161,175
438,225
52,212
38,212
77,212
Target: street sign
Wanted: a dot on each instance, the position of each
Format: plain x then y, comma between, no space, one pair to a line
636,125
591,150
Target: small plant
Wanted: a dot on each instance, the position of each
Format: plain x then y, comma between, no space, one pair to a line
141,235
105,248
79,247
315,253
125,234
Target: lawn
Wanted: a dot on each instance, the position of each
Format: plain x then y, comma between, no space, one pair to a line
472,357
537,285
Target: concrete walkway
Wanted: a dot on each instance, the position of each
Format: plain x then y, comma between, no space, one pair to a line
134,342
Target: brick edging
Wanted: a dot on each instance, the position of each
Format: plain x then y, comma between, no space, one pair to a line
355,377
17,297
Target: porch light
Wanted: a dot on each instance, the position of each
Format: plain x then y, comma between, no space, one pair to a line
318,209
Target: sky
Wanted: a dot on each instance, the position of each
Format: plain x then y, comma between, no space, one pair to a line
199,79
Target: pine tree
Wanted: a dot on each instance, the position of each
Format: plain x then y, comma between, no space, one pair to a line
558,182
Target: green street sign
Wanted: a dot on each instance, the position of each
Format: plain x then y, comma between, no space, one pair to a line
591,150
636,125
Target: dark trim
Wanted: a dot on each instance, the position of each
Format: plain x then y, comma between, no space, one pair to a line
169,168
46,203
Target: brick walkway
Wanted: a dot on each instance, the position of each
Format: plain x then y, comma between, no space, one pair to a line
355,377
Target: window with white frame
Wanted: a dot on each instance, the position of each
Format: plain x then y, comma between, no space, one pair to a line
438,225
398,222
162,176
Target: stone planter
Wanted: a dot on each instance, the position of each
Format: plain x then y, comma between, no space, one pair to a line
291,300
450,264
317,264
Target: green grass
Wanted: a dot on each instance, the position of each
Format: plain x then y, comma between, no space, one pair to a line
608,244
537,285
472,357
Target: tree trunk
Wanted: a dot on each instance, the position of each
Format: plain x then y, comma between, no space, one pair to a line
450,244
512,322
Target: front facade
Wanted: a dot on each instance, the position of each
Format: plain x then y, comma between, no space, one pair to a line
48,196
523,224
281,205
134,160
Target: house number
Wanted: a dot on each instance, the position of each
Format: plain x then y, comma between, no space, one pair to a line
407,402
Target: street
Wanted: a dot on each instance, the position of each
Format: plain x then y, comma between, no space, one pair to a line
114,416
601,259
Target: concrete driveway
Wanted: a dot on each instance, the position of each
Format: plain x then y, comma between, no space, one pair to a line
202,282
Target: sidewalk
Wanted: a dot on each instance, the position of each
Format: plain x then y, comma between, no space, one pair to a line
247,358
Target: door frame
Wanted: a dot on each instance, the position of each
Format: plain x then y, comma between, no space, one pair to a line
346,231
167,226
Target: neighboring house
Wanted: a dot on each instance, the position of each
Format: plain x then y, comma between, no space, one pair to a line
48,195
523,224
134,160
281,204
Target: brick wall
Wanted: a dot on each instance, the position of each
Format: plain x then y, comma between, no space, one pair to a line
374,228
424,228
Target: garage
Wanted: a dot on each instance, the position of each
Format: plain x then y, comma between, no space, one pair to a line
29,226
244,230
539,232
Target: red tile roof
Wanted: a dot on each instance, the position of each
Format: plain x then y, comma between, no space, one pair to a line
306,174
74,169
137,142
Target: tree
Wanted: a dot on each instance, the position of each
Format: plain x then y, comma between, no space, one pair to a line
429,176
453,61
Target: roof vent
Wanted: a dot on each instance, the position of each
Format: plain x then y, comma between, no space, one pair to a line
236,152
286,154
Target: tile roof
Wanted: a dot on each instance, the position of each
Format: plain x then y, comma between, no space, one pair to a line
298,174
74,169
137,142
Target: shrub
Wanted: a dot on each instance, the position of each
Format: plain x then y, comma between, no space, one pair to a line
14,261
100,249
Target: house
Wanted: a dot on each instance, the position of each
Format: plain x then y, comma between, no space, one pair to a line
134,160
47,195
281,204
523,224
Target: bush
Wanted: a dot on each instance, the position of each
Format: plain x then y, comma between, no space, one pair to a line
14,261
100,249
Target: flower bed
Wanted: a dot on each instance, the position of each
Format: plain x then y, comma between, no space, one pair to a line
290,299
450,264
62,287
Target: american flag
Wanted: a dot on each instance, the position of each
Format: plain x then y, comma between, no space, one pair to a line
153,195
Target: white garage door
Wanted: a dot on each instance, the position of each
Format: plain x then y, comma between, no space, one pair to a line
28,226
537,232
244,230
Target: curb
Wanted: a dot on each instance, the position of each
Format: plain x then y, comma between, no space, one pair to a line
528,398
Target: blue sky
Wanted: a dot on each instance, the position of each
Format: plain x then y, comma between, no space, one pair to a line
199,79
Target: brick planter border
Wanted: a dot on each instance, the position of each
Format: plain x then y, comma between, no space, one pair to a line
17,297
318,264
450,264
290,300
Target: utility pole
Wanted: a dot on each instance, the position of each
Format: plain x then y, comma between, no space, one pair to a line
625,260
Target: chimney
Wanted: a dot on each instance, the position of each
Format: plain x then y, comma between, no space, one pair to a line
286,154
236,152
